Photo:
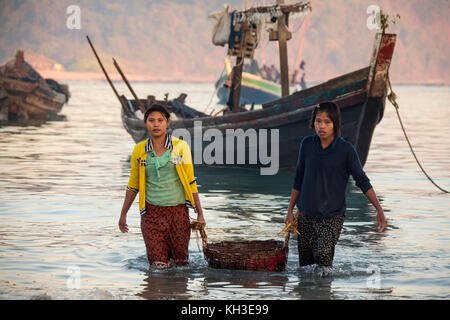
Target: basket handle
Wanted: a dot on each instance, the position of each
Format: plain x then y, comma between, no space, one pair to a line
288,228
286,239
199,227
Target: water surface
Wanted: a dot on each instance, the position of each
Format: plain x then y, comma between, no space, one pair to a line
62,187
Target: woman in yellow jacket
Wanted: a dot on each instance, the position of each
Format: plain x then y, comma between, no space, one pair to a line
162,173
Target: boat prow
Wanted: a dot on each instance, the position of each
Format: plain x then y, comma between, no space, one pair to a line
26,98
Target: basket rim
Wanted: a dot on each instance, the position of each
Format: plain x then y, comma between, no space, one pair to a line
250,250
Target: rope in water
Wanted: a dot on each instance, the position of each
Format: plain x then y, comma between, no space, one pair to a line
392,98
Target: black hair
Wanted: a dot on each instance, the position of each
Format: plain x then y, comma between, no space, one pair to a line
333,112
157,107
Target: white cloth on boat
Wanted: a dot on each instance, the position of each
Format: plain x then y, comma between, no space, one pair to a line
221,30
138,113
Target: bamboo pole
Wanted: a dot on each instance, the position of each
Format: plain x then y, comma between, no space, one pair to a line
125,107
141,106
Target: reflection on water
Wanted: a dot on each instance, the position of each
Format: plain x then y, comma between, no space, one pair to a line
62,187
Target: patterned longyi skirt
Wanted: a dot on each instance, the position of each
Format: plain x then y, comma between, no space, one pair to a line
166,232
318,238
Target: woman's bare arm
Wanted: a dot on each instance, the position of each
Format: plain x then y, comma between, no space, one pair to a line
128,201
381,220
294,197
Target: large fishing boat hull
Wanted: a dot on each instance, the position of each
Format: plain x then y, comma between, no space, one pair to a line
360,95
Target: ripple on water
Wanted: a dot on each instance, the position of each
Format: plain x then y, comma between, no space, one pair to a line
62,187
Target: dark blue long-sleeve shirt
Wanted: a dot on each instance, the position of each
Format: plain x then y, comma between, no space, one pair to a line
322,176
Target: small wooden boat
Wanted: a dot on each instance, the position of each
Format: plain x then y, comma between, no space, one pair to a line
27,97
254,88
3,107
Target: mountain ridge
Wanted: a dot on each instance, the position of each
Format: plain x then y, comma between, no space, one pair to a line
171,40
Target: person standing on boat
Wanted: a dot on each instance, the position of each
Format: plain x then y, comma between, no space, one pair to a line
162,173
325,162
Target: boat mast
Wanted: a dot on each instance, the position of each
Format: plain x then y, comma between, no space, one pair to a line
283,34
234,93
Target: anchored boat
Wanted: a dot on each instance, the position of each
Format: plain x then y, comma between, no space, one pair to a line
27,98
360,94
255,89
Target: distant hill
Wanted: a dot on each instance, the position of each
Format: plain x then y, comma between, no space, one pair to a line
171,40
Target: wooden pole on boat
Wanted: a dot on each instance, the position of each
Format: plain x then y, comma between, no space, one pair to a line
234,92
282,45
124,106
141,106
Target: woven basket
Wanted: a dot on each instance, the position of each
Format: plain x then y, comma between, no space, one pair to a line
260,255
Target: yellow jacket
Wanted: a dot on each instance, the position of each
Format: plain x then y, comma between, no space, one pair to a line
181,157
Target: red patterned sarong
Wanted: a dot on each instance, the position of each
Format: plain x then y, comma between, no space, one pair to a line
166,232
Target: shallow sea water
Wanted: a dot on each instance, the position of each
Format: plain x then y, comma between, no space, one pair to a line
62,186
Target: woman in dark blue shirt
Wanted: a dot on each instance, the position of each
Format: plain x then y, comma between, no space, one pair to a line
325,163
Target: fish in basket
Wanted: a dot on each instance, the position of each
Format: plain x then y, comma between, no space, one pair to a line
257,255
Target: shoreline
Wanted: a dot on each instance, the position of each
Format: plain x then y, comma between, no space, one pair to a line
115,77
95,76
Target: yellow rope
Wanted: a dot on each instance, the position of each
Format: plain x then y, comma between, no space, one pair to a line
291,227
288,228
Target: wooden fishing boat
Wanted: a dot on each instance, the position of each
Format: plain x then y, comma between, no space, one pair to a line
3,107
360,94
254,88
27,97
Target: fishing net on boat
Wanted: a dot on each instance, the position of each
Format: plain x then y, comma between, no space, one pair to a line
269,14
262,18
257,255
